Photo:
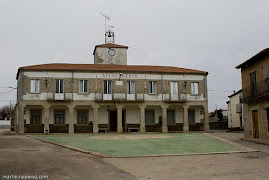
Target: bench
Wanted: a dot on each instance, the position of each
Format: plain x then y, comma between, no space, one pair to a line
103,129
133,128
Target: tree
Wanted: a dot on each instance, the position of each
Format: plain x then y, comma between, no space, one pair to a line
219,114
7,111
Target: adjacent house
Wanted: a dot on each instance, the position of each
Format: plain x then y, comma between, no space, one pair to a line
110,95
255,91
235,119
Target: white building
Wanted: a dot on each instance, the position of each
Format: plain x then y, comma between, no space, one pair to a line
235,119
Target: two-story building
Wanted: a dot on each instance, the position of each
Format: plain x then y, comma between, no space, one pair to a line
235,118
255,89
110,95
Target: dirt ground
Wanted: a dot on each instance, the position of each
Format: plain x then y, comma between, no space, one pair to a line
21,155
243,166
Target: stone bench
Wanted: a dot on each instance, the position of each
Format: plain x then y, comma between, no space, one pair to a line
133,128
103,129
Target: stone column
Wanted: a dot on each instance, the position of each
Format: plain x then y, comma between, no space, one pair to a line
185,118
21,119
95,118
46,118
164,118
142,118
206,123
119,115
71,118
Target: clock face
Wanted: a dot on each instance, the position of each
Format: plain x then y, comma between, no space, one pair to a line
111,52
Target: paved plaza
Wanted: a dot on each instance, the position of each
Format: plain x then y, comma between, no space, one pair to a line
149,144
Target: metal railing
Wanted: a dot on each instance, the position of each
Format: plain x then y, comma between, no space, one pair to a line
260,89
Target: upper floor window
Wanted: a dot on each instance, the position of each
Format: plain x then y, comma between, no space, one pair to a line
83,86
194,88
153,87
130,87
35,86
107,87
59,86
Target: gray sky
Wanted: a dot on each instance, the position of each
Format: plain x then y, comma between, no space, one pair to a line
209,35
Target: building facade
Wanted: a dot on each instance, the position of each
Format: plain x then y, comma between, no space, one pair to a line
110,95
235,118
255,89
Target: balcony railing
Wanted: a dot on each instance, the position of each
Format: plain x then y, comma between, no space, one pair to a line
119,97
256,91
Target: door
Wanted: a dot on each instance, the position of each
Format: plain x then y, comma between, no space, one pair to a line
59,89
107,90
255,124
174,91
191,115
113,118
253,83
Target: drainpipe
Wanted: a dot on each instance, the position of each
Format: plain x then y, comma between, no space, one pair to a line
162,85
72,82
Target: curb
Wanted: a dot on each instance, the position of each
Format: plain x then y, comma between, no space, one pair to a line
256,141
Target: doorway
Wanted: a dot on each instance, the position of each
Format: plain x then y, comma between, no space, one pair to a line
255,124
113,120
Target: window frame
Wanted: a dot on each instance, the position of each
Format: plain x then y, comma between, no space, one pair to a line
64,116
107,82
177,89
174,119
193,92
32,112
151,87
37,90
78,114
153,111
84,82
129,82
60,80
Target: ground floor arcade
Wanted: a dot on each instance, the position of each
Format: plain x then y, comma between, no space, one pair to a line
79,117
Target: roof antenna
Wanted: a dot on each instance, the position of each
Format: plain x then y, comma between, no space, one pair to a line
109,34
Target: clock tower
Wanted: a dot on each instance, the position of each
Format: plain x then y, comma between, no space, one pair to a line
110,53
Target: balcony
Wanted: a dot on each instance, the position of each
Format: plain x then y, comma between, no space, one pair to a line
256,91
119,97
176,98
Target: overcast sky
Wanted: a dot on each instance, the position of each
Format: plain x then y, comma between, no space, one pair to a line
209,35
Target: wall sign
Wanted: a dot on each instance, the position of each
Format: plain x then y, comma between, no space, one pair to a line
119,76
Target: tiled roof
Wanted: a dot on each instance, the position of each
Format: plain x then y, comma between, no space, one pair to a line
254,59
110,45
111,67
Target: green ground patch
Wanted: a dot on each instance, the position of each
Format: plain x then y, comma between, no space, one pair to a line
144,144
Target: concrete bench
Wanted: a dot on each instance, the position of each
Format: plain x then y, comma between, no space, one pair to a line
103,129
133,128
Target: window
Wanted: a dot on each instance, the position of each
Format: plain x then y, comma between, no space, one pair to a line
170,117
266,77
174,88
59,86
83,86
153,87
130,87
253,83
107,87
59,117
35,116
149,117
82,117
35,86
194,88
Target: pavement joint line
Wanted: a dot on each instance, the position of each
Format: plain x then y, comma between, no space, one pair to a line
249,149
158,155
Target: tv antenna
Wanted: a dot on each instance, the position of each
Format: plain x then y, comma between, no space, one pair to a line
107,18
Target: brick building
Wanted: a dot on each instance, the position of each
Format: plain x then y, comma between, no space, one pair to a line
110,95
255,90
